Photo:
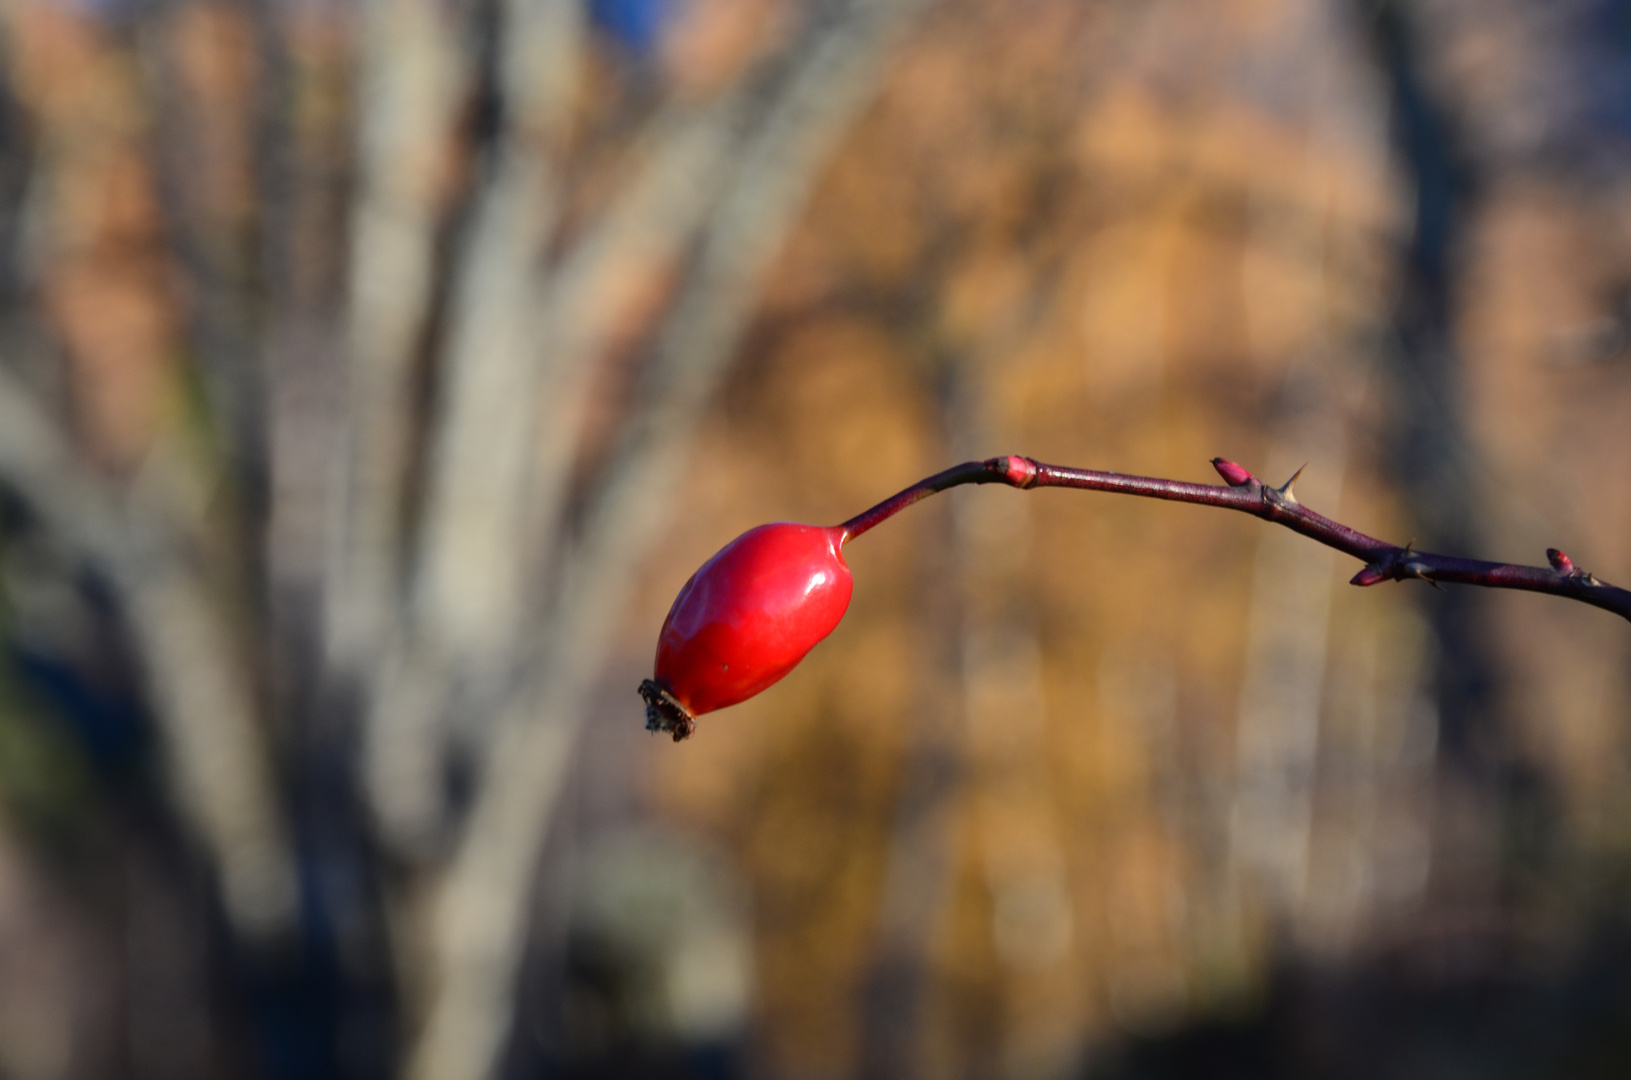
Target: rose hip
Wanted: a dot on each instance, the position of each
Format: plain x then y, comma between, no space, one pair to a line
745,620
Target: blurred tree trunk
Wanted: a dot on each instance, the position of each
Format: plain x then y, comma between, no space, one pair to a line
1432,462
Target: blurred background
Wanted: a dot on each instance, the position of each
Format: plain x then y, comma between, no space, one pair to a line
374,372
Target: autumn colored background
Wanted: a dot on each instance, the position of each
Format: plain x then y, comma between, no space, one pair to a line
374,372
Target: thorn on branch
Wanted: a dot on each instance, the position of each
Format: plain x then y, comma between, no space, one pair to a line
1233,474
1408,566
1286,489
1396,566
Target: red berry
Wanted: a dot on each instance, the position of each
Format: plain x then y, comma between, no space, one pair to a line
746,619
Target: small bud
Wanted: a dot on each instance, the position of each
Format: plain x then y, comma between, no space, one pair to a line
1020,471
1560,562
1370,575
1233,474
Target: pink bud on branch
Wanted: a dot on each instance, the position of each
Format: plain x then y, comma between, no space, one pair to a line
768,597
1234,475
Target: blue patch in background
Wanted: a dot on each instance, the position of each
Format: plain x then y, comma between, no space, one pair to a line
635,24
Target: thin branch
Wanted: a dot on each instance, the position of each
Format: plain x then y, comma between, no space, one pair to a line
468,589
411,76
689,154
1245,493
465,596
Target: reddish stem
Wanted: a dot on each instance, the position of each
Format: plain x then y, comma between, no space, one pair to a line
993,471
1383,561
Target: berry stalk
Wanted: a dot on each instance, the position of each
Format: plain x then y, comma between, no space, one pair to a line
1248,495
1013,470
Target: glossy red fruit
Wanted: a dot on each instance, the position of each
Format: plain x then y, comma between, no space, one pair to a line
745,620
